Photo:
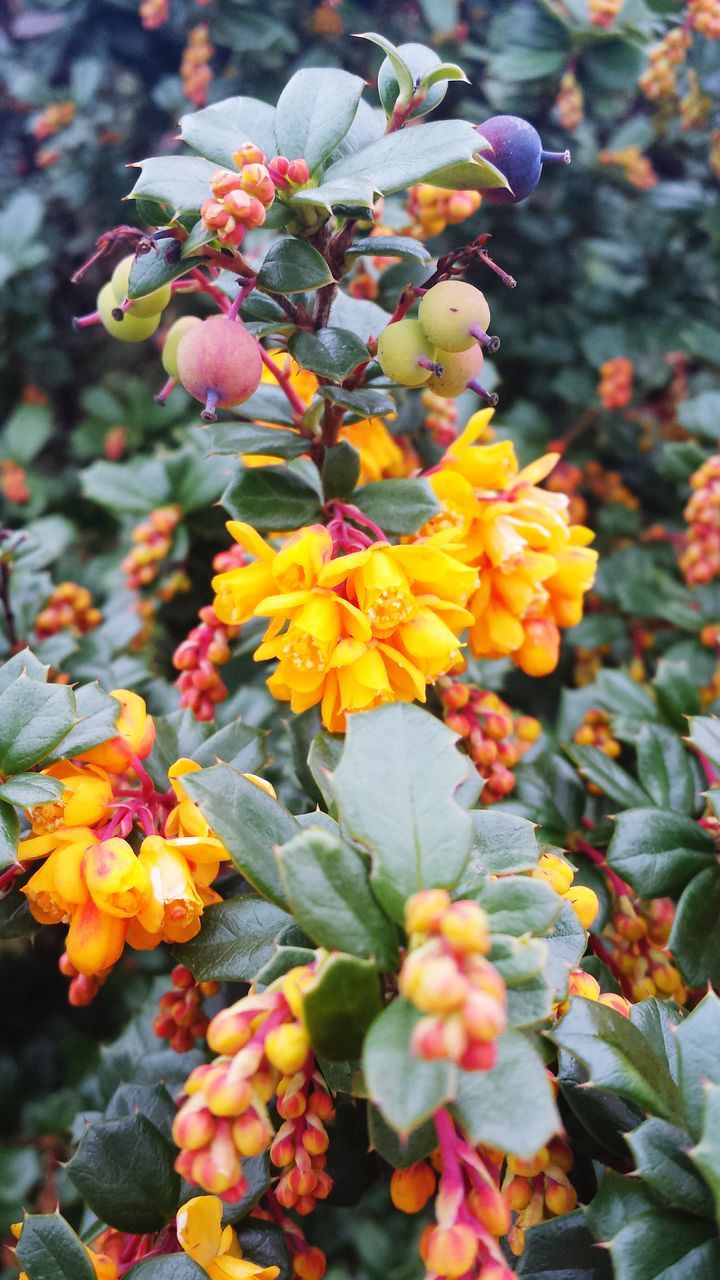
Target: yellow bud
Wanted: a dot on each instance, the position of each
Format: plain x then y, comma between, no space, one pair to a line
287,1047
584,903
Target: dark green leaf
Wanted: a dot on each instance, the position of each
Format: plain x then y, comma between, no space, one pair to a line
293,266
333,353
9,835
406,1089
158,266
167,1266
49,1250
697,1038
123,1169
341,468
326,884
314,112
400,1153
272,498
512,1106
562,1249
502,842
614,782
150,1100
658,852
695,937
661,1154
266,1245
677,692
368,403
28,789
664,769
390,247
235,941
242,438
519,905
647,1242
340,1004
96,716
705,735
268,404
398,506
706,1155
34,717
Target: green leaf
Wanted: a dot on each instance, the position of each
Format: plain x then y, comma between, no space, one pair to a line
332,353
706,1154
617,1056
179,183
705,735
157,266
340,471
661,1155
695,937
123,1169
364,404
268,404
34,717
48,1249
417,835
562,1249
511,1106
700,414
96,716
517,959
519,905
28,789
22,663
340,1004
248,437
389,247
613,781
658,852
401,71
697,1038
293,266
218,130
529,1003
266,1245
399,160
647,1241
407,1090
502,842
314,112
25,433
658,1021
9,834
664,769
235,941
128,488
398,506
398,1152
326,884
167,1266
272,498
617,691
150,1100
677,692
566,942
248,821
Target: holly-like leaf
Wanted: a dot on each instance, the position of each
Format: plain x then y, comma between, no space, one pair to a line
167,1266
218,130
658,852
9,834
34,717
314,112
519,905
332,353
326,884
48,1249
502,843
487,1102
367,403
124,1170
250,438
697,1038
417,835
705,735
562,1249
677,692
389,247
406,1089
664,769
340,1004
158,265
398,506
272,498
28,789
247,820
613,781
662,1157
399,1152
340,470
706,1154
235,941
293,266
179,183
695,937
617,1056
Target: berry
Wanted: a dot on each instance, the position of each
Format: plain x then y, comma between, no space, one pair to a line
151,304
459,368
219,363
518,154
419,60
455,315
405,354
131,328
172,341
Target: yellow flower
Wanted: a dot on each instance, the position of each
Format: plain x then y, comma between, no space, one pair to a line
86,795
135,735
534,566
214,1248
95,940
381,456
174,905
58,887
294,567
117,881
105,1268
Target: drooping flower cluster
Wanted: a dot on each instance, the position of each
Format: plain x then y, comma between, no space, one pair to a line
432,209
240,199
537,1189
659,80
637,168
596,731
700,559
197,658
615,385
351,632
55,117
534,566
152,541
570,103
195,70
695,106
264,1054
181,1019
441,417
638,935
447,976
560,874
494,738
69,607
704,17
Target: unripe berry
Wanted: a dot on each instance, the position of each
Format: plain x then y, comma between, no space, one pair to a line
405,354
219,363
131,328
172,342
517,152
451,311
151,304
459,368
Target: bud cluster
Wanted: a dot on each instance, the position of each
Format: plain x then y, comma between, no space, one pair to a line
264,1054
570,103
441,417
180,1018
602,13
638,169
197,658
55,117
494,738
700,559
538,1189
153,539
659,80
616,378
584,984
704,17
596,731
556,871
154,13
241,197
695,106
68,608
195,70
432,209
638,934
608,486
447,976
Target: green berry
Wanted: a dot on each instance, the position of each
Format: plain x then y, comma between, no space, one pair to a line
459,367
450,311
401,347
151,304
172,339
131,328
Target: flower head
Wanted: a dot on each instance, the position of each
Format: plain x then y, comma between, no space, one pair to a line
213,1247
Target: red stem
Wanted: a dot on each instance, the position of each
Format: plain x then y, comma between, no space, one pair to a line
284,381
600,861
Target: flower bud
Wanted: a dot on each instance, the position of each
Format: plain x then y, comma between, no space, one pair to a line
451,1251
423,910
287,1047
466,927
411,1188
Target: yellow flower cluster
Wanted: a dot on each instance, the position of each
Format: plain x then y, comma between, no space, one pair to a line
377,625
534,565
213,1247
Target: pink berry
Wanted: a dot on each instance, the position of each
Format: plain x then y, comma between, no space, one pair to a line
219,363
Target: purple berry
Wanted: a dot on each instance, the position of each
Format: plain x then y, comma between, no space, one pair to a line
518,154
